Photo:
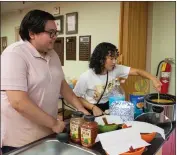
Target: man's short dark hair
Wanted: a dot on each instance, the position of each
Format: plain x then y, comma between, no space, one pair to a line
35,22
98,58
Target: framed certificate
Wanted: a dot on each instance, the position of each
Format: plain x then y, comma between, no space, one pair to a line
59,22
72,23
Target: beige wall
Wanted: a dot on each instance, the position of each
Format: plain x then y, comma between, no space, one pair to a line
98,19
161,38
101,21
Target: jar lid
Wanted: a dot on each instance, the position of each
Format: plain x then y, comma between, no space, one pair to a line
77,114
89,118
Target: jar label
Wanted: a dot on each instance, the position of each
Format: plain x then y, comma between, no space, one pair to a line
74,131
86,136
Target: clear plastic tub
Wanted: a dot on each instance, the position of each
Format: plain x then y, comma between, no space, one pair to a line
117,94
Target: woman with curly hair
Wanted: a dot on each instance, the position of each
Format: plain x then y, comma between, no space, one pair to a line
104,69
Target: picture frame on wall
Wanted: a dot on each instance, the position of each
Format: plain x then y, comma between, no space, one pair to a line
59,20
72,23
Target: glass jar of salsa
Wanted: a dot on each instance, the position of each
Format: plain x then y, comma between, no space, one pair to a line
75,123
89,131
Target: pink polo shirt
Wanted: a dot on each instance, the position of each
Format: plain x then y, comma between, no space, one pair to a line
23,68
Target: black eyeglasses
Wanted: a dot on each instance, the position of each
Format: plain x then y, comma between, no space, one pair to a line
53,33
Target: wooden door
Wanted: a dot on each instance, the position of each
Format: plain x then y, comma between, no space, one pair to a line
59,48
133,38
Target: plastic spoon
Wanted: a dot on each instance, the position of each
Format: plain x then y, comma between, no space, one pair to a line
105,121
158,97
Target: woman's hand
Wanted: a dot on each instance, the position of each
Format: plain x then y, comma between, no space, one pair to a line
84,111
97,111
157,84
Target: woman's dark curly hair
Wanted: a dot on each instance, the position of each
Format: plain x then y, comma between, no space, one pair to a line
98,58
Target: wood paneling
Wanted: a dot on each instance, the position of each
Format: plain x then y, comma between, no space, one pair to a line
70,48
84,48
133,38
59,48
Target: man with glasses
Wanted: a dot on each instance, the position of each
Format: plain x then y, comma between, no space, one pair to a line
31,81
52,33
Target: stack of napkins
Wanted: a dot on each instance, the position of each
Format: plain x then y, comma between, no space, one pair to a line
119,141
144,127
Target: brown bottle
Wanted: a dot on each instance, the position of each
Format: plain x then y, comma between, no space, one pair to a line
75,123
89,131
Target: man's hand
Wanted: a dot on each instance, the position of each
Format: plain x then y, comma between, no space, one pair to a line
97,111
58,126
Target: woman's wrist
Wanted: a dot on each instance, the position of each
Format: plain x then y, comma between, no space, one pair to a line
84,111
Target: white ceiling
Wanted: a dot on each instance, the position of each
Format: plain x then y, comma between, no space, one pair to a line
14,6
